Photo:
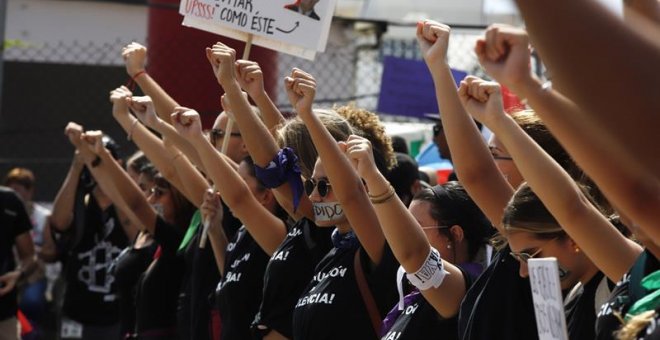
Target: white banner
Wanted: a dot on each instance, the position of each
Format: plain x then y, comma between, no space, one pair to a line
298,27
548,301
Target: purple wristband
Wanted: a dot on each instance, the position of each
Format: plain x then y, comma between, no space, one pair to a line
283,168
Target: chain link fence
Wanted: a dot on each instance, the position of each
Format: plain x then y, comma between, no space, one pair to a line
46,85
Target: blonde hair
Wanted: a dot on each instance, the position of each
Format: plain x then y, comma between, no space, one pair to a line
631,329
294,134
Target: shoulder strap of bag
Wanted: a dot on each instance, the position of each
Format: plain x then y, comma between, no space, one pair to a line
365,292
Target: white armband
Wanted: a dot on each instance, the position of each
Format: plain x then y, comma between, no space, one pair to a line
430,274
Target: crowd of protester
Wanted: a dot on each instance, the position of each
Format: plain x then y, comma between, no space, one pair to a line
313,227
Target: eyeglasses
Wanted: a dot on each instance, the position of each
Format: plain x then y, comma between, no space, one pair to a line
524,257
498,157
157,192
218,134
436,227
322,185
437,128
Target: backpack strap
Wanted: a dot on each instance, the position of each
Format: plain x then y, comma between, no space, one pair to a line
365,292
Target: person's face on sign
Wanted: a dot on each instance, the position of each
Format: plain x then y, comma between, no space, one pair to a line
308,5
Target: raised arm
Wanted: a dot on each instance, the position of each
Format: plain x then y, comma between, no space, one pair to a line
632,191
251,79
471,157
135,58
610,251
649,9
260,143
599,52
404,234
346,184
143,108
268,230
128,221
149,143
212,212
114,181
62,213
195,183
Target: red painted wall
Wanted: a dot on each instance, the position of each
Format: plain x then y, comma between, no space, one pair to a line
178,62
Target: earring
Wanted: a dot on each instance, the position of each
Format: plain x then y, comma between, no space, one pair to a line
449,246
577,250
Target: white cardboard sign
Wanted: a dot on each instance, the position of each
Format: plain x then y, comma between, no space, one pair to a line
276,24
548,301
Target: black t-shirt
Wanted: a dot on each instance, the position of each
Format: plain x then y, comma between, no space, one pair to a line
14,221
289,271
128,267
200,278
332,307
499,304
239,292
623,296
581,309
159,286
90,296
419,320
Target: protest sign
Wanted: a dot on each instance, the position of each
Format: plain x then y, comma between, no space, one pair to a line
548,301
280,25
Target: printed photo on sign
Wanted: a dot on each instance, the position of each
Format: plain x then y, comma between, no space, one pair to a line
298,27
304,7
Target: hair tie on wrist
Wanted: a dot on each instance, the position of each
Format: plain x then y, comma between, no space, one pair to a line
131,81
138,74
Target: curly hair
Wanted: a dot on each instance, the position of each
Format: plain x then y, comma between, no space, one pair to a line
341,122
368,125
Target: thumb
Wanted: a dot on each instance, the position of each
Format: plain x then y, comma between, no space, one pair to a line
342,146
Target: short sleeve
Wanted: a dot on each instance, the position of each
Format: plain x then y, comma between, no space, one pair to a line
14,210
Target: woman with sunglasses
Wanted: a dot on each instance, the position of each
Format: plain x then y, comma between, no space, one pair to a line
623,183
567,208
443,232
491,184
292,266
354,283
246,255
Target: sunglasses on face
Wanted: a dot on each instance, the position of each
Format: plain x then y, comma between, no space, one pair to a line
437,128
218,134
321,185
524,257
436,227
157,192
